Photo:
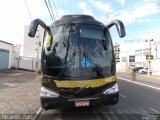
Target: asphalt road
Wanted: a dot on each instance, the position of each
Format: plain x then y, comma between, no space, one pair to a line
136,103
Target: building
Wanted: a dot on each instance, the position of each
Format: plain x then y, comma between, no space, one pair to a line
135,54
32,46
117,52
5,55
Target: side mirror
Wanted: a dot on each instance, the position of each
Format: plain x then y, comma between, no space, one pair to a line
120,27
33,27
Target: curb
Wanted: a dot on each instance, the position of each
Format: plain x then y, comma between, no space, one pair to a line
140,83
38,113
143,75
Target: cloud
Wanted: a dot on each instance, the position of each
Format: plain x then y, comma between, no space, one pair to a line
145,9
98,5
150,34
14,16
103,6
145,20
61,13
129,15
37,8
122,2
138,11
84,7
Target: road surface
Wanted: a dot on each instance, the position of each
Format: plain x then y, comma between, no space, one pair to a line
136,103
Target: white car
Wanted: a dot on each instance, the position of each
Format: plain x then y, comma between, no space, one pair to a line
145,70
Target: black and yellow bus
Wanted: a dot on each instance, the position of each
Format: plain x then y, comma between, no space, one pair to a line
77,63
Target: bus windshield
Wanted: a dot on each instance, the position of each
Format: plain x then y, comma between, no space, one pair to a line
76,50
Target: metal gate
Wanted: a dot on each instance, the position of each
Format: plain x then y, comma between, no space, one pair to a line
4,59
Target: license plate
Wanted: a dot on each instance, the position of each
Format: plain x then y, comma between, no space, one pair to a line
81,103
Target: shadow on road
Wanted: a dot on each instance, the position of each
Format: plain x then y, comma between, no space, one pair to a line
87,113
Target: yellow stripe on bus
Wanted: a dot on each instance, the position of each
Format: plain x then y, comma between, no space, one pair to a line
84,83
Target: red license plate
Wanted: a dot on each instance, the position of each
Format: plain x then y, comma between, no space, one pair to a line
81,103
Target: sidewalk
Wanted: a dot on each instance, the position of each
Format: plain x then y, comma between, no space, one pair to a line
141,77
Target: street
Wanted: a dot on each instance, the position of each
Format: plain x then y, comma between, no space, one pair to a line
135,102
19,94
80,60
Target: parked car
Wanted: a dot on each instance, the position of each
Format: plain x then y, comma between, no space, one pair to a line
136,69
145,70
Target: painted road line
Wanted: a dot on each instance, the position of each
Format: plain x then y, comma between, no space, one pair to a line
123,96
139,83
114,115
97,116
142,110
37,113
154,110
121,114
134,111
106,117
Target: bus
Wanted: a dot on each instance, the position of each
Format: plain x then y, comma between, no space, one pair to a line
77,62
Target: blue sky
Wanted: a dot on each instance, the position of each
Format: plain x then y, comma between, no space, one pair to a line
141,18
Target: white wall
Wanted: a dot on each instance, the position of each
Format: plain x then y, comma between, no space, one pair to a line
16,54
30,44
7,47
156,66
29,64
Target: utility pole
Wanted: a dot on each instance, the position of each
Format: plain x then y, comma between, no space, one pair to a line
127,61
149,57
142,55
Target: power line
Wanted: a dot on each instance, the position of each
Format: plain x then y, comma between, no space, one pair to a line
28,10
54,5
49,10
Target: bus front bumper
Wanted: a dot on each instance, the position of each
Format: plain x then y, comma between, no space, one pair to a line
51,100
64,102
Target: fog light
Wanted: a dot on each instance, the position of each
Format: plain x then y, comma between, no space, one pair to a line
45,92
111,90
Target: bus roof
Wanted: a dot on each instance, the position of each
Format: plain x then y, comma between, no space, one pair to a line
69,19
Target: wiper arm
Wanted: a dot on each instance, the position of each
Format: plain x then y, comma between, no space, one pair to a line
65,65
95,67
98,70
65,60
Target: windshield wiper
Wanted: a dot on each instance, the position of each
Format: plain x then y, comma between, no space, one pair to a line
65,60
66,63
98,70
65,66
95,67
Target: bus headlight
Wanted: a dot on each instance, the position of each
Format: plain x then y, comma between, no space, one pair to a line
45,92
111,90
